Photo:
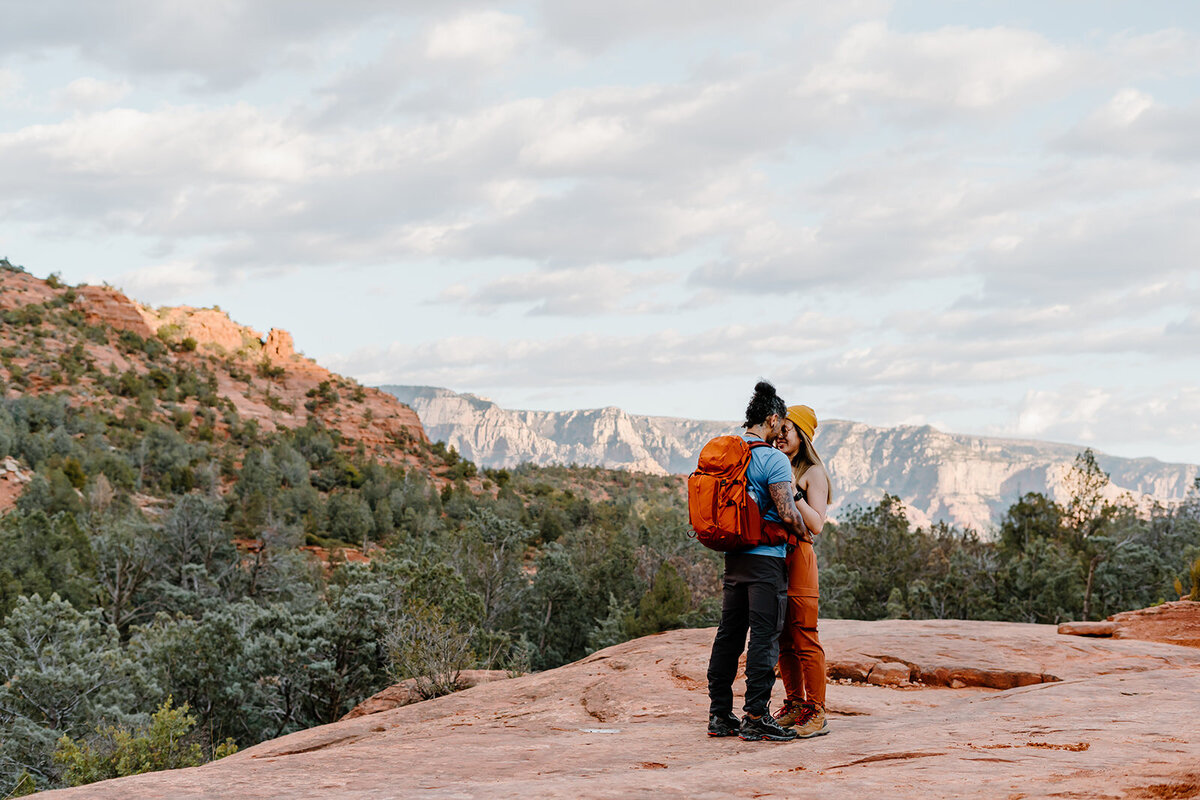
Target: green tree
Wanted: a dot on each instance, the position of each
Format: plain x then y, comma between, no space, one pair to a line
1033,517
61,672
1088,517
350,518
612,629
866,556
490,554
126,549
194,535
662,607
556,619
958,576
1042,583
44,555
202,662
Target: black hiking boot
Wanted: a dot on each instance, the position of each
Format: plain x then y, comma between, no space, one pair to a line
765,728
724,725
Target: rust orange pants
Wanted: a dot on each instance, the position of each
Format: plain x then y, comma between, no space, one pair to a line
801,657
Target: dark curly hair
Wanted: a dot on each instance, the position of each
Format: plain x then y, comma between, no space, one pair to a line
763,404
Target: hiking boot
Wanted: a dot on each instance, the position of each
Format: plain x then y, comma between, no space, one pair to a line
791,714
724,725
765,728
815,725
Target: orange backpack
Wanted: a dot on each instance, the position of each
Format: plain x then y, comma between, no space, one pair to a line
722,513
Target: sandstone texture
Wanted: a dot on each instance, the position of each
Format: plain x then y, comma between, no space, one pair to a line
1106,718
210,327
102,304
279,347
966,480
1173,623
1088,628
405,693
13,480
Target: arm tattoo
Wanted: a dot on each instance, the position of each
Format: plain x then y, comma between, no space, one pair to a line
781,495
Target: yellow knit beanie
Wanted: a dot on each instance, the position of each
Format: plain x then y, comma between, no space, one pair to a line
804,418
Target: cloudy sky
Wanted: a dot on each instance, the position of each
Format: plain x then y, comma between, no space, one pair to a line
977,215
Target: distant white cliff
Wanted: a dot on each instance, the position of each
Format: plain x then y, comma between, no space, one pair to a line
965,480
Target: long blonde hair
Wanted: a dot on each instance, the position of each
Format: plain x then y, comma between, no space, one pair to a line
806,458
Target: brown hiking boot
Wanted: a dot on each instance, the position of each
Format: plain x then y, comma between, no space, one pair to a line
790,714
814,725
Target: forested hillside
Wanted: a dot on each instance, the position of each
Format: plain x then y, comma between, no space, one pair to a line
229,527
244,532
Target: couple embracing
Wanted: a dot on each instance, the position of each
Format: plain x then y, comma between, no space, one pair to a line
770,589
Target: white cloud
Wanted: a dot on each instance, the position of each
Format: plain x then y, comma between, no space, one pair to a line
177,172
487,36
87,94
580,291
1109,318
952,69
591,359
1133,125
486,183
216,46
1096,250
1119,416
912,364
595,25
1165,52
165,281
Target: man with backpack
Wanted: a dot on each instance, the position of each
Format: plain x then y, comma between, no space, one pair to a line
755,582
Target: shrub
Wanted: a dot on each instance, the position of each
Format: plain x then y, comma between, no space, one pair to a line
276,404
25,315
267,370
421,644
166,743
131,342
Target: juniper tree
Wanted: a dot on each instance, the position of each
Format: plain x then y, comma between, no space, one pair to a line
62,671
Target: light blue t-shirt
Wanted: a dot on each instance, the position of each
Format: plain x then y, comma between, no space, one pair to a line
767,466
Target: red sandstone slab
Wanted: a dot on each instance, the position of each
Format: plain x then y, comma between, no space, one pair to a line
629,722
1087,628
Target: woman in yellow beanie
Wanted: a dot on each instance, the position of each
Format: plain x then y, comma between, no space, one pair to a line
801,657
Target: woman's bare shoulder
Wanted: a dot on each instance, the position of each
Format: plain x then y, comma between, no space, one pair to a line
814,473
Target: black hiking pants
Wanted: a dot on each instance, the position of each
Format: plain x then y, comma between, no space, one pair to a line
755,599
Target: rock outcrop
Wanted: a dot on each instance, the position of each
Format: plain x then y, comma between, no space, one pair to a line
210,327
1173,623
103,305
1087,628
965,480
279,348
13,480
405,693
1122,721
